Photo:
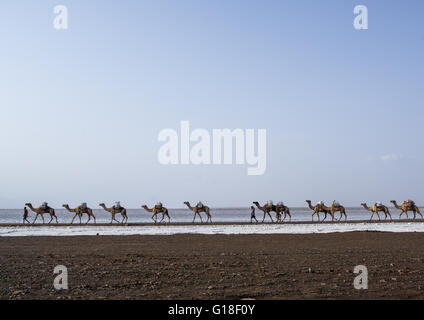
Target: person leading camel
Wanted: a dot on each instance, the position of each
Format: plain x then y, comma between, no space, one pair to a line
41,210
25,218
266,209
252,214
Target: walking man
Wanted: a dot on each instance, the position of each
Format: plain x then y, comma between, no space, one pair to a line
252,216
25,215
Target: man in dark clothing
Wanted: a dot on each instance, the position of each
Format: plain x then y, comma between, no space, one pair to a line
25,215
252,216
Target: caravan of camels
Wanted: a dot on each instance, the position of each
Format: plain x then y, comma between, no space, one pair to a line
281,211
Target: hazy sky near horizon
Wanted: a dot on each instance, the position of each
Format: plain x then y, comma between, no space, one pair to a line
81,108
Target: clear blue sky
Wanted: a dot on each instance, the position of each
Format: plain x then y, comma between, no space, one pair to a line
81,109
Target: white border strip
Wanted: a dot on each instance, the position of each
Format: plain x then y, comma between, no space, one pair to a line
208,229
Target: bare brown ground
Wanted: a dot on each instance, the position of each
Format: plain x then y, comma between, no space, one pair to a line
317,266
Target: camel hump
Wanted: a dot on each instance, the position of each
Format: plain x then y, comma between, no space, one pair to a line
320,203
84,205
117,205
280,203
44,205
336,203
270,203
379,204
199,204
158,204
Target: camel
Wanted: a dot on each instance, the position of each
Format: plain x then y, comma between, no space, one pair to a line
320,207
114,210
156,210
376,208
41,211
335,206
79,211
280,209
406,206
267,208
196,210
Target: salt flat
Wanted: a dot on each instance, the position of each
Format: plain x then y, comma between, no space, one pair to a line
51,230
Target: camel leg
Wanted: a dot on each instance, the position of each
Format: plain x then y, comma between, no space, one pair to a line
264,217
51,218
388,212
404,212
79,216
325,216
418,211
73,218
378,216
36,216
385,215
42,217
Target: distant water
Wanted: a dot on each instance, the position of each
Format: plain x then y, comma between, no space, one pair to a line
184,215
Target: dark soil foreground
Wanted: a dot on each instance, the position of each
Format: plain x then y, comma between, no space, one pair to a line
315,266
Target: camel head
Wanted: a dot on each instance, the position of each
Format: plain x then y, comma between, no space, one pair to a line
363,204
255,202
28,204
102,205
187,203
65,206
393,201
308,201
144,206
